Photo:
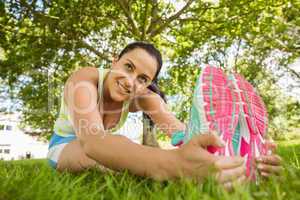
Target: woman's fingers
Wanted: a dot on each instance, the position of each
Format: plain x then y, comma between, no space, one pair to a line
205,140
230,184
229,175
241,180
265,174
270,160
271,145
226,162
230,168
270,169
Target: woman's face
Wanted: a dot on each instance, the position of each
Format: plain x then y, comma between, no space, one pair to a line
131,74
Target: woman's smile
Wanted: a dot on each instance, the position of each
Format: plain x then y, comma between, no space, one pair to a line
123,89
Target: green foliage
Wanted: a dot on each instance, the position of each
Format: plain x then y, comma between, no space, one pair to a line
182,82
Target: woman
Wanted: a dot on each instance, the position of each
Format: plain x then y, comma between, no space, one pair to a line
95,104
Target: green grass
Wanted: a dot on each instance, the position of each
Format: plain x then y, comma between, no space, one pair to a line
34,179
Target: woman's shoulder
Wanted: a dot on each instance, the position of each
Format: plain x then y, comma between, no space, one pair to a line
81,76
84,73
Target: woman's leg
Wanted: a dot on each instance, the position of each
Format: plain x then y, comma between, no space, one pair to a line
73,158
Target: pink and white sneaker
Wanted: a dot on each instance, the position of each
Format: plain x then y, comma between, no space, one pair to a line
230,106
253,122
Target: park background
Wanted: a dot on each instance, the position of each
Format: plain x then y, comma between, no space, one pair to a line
43,42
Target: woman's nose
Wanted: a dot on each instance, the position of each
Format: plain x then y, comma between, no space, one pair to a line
129,82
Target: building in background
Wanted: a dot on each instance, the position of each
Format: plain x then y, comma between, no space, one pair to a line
15,144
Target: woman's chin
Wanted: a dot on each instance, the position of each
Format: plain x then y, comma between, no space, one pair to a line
118,97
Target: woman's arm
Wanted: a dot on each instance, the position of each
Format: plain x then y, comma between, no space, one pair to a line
113,151
153,105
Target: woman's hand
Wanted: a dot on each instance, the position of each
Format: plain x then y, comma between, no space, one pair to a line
197,163
271,163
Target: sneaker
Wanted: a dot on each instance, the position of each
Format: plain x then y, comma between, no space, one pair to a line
230,106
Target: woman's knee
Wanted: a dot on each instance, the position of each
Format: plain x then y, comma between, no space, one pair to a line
73,159
86,162
76,165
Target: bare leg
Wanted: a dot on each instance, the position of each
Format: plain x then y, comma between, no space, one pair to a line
73,159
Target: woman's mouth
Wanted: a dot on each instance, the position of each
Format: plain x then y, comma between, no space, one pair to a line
122,88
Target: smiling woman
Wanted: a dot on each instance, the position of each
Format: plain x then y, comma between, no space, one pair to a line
131,74
96,103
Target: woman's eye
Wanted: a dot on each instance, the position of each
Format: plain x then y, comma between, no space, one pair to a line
129,67
143,80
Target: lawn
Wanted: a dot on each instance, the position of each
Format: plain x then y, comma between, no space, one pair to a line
34,179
